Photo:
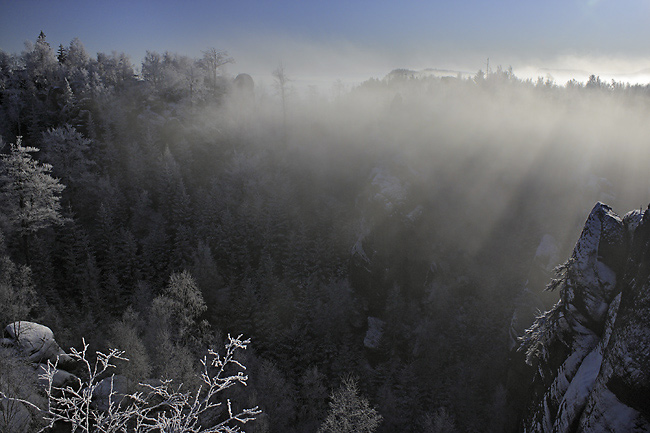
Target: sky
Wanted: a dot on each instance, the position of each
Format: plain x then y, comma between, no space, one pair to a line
321,41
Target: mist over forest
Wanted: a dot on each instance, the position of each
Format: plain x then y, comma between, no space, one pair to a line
390,239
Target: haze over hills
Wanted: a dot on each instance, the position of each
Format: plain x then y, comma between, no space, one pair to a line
559,75
325,84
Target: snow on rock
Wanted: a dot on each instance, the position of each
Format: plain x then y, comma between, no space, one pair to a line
374,333
590,280
36,342
589,355
576,394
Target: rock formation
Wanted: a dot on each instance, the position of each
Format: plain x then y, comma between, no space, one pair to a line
34,341
587,360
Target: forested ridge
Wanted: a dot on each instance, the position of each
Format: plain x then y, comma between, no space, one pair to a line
379,239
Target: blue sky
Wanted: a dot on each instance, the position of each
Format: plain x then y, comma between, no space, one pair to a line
325,40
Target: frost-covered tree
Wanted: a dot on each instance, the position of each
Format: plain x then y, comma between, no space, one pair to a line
173,326
214,59
42,73
124,334
67,150
441,421
152,68
29,194
17,294
41,62
350,412
13,110
76,55
282,87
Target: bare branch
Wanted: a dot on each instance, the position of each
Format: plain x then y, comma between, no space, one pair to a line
161,407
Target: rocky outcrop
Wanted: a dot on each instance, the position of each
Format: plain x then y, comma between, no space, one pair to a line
588,358
110,390
34,341
27,348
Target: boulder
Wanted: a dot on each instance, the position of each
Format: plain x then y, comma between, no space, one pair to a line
14,417
36,342
61,378
244,85
110,390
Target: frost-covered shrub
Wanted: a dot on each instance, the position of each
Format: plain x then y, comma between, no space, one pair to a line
96,403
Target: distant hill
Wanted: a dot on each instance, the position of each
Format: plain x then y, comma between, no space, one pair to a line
428,72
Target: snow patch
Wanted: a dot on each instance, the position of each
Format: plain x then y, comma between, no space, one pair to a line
578,391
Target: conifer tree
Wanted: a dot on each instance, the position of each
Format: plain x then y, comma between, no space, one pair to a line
42,69
30,196
61,54
17,294
67,150
180,305
350,412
